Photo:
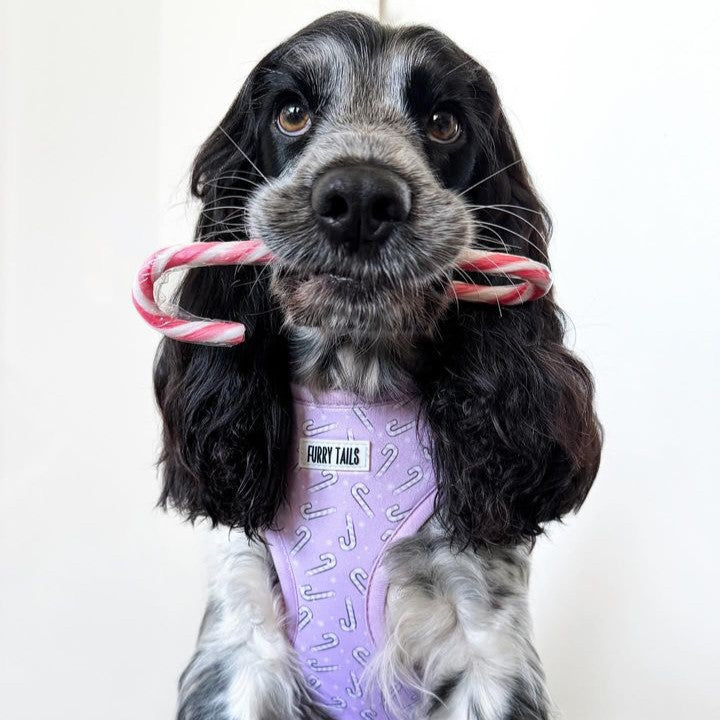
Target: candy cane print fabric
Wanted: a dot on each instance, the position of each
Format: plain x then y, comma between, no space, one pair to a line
360,479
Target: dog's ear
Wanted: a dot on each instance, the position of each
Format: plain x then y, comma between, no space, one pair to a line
226,411
516,439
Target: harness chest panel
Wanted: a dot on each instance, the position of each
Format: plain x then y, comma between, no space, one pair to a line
360,479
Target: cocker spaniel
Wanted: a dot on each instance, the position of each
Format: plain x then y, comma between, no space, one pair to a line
367,157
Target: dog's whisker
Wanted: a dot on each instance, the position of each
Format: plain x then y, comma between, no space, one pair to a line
223,181
522,237
489,177
457,67
510,205
496,208
216,208
242,152
477,224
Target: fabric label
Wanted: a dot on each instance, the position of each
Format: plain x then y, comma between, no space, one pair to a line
345,455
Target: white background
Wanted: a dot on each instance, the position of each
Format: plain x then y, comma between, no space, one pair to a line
617,110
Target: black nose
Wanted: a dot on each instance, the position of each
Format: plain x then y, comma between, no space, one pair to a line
360,204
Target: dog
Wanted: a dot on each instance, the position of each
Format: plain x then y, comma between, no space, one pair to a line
367,157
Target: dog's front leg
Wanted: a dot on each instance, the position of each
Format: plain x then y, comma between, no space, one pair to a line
458,629
244,667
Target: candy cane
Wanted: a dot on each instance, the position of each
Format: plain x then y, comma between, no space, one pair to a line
307,593
306,510
331,641
360,491
393,513
210,332
348,540
328,562
349,623
416,475
535,278
305,615
356,690
358,577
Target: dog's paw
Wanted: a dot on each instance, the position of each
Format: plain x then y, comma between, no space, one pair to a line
457,630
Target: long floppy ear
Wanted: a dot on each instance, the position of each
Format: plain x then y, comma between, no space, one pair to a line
516,439
226,411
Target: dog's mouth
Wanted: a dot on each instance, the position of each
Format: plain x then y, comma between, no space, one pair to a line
372,306
357,286
343,283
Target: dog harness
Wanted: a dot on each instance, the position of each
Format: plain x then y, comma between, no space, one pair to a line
360,479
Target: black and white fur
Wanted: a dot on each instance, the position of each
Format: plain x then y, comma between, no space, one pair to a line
516,443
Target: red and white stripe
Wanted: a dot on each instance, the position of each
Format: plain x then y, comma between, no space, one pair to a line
535,281
536,278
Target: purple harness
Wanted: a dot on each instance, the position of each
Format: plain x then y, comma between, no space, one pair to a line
361,478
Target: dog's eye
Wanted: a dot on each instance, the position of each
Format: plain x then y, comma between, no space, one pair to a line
443,126
293,119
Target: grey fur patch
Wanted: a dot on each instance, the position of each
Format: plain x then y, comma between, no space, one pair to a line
203,686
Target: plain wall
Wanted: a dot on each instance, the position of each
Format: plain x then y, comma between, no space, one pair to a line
102,105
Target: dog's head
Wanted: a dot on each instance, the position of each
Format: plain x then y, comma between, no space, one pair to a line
367,136
367,158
